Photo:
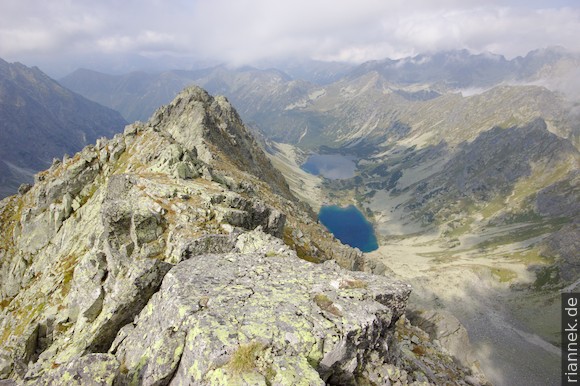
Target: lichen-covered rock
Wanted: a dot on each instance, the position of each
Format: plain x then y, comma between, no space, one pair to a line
86,297
423,360
89,370
5,365
310,323
446,329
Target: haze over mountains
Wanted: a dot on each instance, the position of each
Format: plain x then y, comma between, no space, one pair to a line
41,120
137,95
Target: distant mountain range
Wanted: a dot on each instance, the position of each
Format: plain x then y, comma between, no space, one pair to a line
461,69
429,108
259,93
41,120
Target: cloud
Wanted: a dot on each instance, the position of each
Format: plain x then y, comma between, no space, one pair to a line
245,31
145,41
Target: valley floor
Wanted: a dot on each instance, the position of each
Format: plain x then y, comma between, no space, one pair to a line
497,318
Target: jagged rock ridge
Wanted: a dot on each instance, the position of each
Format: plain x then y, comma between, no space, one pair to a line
170,255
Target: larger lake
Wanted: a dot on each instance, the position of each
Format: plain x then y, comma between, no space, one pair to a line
331,166
350,226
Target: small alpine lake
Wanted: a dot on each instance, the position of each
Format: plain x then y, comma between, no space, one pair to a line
331,166
350,226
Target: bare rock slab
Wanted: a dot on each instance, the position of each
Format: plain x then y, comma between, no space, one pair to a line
220,319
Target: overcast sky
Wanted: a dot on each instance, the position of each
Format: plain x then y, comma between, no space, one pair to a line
60,35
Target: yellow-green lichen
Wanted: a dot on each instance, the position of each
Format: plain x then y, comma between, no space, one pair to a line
222,334
158,344
220,377
194,370
137,370
66,377
315,355
262,328
178,352
149,309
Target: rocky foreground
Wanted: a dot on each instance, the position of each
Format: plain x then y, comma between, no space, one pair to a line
175,254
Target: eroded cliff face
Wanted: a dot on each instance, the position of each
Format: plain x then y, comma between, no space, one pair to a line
175,254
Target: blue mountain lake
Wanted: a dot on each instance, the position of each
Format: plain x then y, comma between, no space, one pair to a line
350,226
331,166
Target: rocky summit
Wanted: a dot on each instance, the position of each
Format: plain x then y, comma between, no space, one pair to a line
175,254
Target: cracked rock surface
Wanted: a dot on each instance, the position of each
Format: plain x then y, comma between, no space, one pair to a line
210,306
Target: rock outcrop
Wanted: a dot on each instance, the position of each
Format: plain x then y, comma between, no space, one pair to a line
175,254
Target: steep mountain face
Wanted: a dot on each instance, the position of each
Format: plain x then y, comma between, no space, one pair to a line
493,164
41,120
175,254
522,176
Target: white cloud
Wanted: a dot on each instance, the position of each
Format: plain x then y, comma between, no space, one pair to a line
243,31
144,42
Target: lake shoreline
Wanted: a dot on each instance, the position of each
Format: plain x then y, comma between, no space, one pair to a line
350,226
331,166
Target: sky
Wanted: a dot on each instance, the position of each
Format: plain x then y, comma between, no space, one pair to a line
61,35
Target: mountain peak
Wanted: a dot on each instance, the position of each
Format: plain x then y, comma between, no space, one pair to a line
213,130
